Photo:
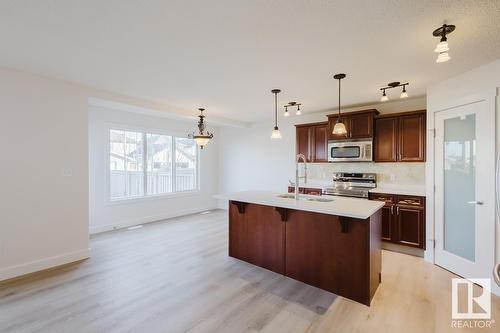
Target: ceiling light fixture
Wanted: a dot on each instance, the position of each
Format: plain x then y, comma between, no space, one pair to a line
286,114
339,128
404,94
392,85
298,112
293,104
202,138
384,97
275,134
442,48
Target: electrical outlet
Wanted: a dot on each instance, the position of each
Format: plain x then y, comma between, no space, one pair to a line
392,177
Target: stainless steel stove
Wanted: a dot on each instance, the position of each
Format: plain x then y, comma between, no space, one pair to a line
351,184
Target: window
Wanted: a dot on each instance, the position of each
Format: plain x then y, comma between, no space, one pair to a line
142,164
126,164
185,164
159,164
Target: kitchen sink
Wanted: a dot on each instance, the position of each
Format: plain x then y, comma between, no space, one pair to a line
320,199
292,196
287,196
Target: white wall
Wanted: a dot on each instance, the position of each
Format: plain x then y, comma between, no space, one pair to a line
106,215
44,173
250,159
483,79
44,168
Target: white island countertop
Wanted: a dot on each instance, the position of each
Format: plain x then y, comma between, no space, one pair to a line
340,206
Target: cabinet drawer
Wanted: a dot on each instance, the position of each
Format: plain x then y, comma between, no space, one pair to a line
387,198
407,200
312,191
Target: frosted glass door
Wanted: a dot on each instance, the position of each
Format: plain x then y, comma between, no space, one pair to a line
464,178
459,186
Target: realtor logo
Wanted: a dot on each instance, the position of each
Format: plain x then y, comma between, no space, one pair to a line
464,305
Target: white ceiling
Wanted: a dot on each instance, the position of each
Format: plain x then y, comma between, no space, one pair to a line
227,55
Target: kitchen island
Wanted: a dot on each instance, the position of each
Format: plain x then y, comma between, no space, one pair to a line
332,243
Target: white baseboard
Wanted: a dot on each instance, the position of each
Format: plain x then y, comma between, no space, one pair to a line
41,264
148,219
222,204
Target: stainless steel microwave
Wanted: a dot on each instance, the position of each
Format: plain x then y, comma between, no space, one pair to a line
350,151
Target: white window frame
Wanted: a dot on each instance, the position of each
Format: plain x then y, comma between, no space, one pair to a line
148,197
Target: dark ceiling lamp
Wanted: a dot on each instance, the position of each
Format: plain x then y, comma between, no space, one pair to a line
292,104
392,85
339,128
276,132
442,48
202,138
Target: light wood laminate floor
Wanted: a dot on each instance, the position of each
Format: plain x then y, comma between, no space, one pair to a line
176,276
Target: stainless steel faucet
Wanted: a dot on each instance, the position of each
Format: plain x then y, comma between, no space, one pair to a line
297,178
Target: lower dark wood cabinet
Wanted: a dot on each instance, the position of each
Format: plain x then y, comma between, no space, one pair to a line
403,219
257,235
387,222
306,190
317,253
410,226
337,254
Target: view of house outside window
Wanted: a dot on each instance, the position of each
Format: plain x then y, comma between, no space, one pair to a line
142,164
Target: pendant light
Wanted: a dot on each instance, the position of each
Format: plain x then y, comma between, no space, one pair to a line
202,138
275,134
442,47
339,128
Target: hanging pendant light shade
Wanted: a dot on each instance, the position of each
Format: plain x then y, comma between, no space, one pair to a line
339,128
201,138
275,134
442,47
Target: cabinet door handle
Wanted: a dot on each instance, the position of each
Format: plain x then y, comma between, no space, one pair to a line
397,210
392,209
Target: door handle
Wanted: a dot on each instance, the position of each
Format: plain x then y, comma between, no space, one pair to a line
475,202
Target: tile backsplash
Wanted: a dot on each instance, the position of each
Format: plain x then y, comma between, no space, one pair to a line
387,173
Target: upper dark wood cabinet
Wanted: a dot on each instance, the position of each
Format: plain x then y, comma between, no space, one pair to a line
359,124
319,143
412,137
386,139
303,141
400,137
312,141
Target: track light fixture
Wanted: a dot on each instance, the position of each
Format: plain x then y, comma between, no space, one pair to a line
292,104
392,85
442,48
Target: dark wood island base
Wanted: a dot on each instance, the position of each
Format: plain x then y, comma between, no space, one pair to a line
338,254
